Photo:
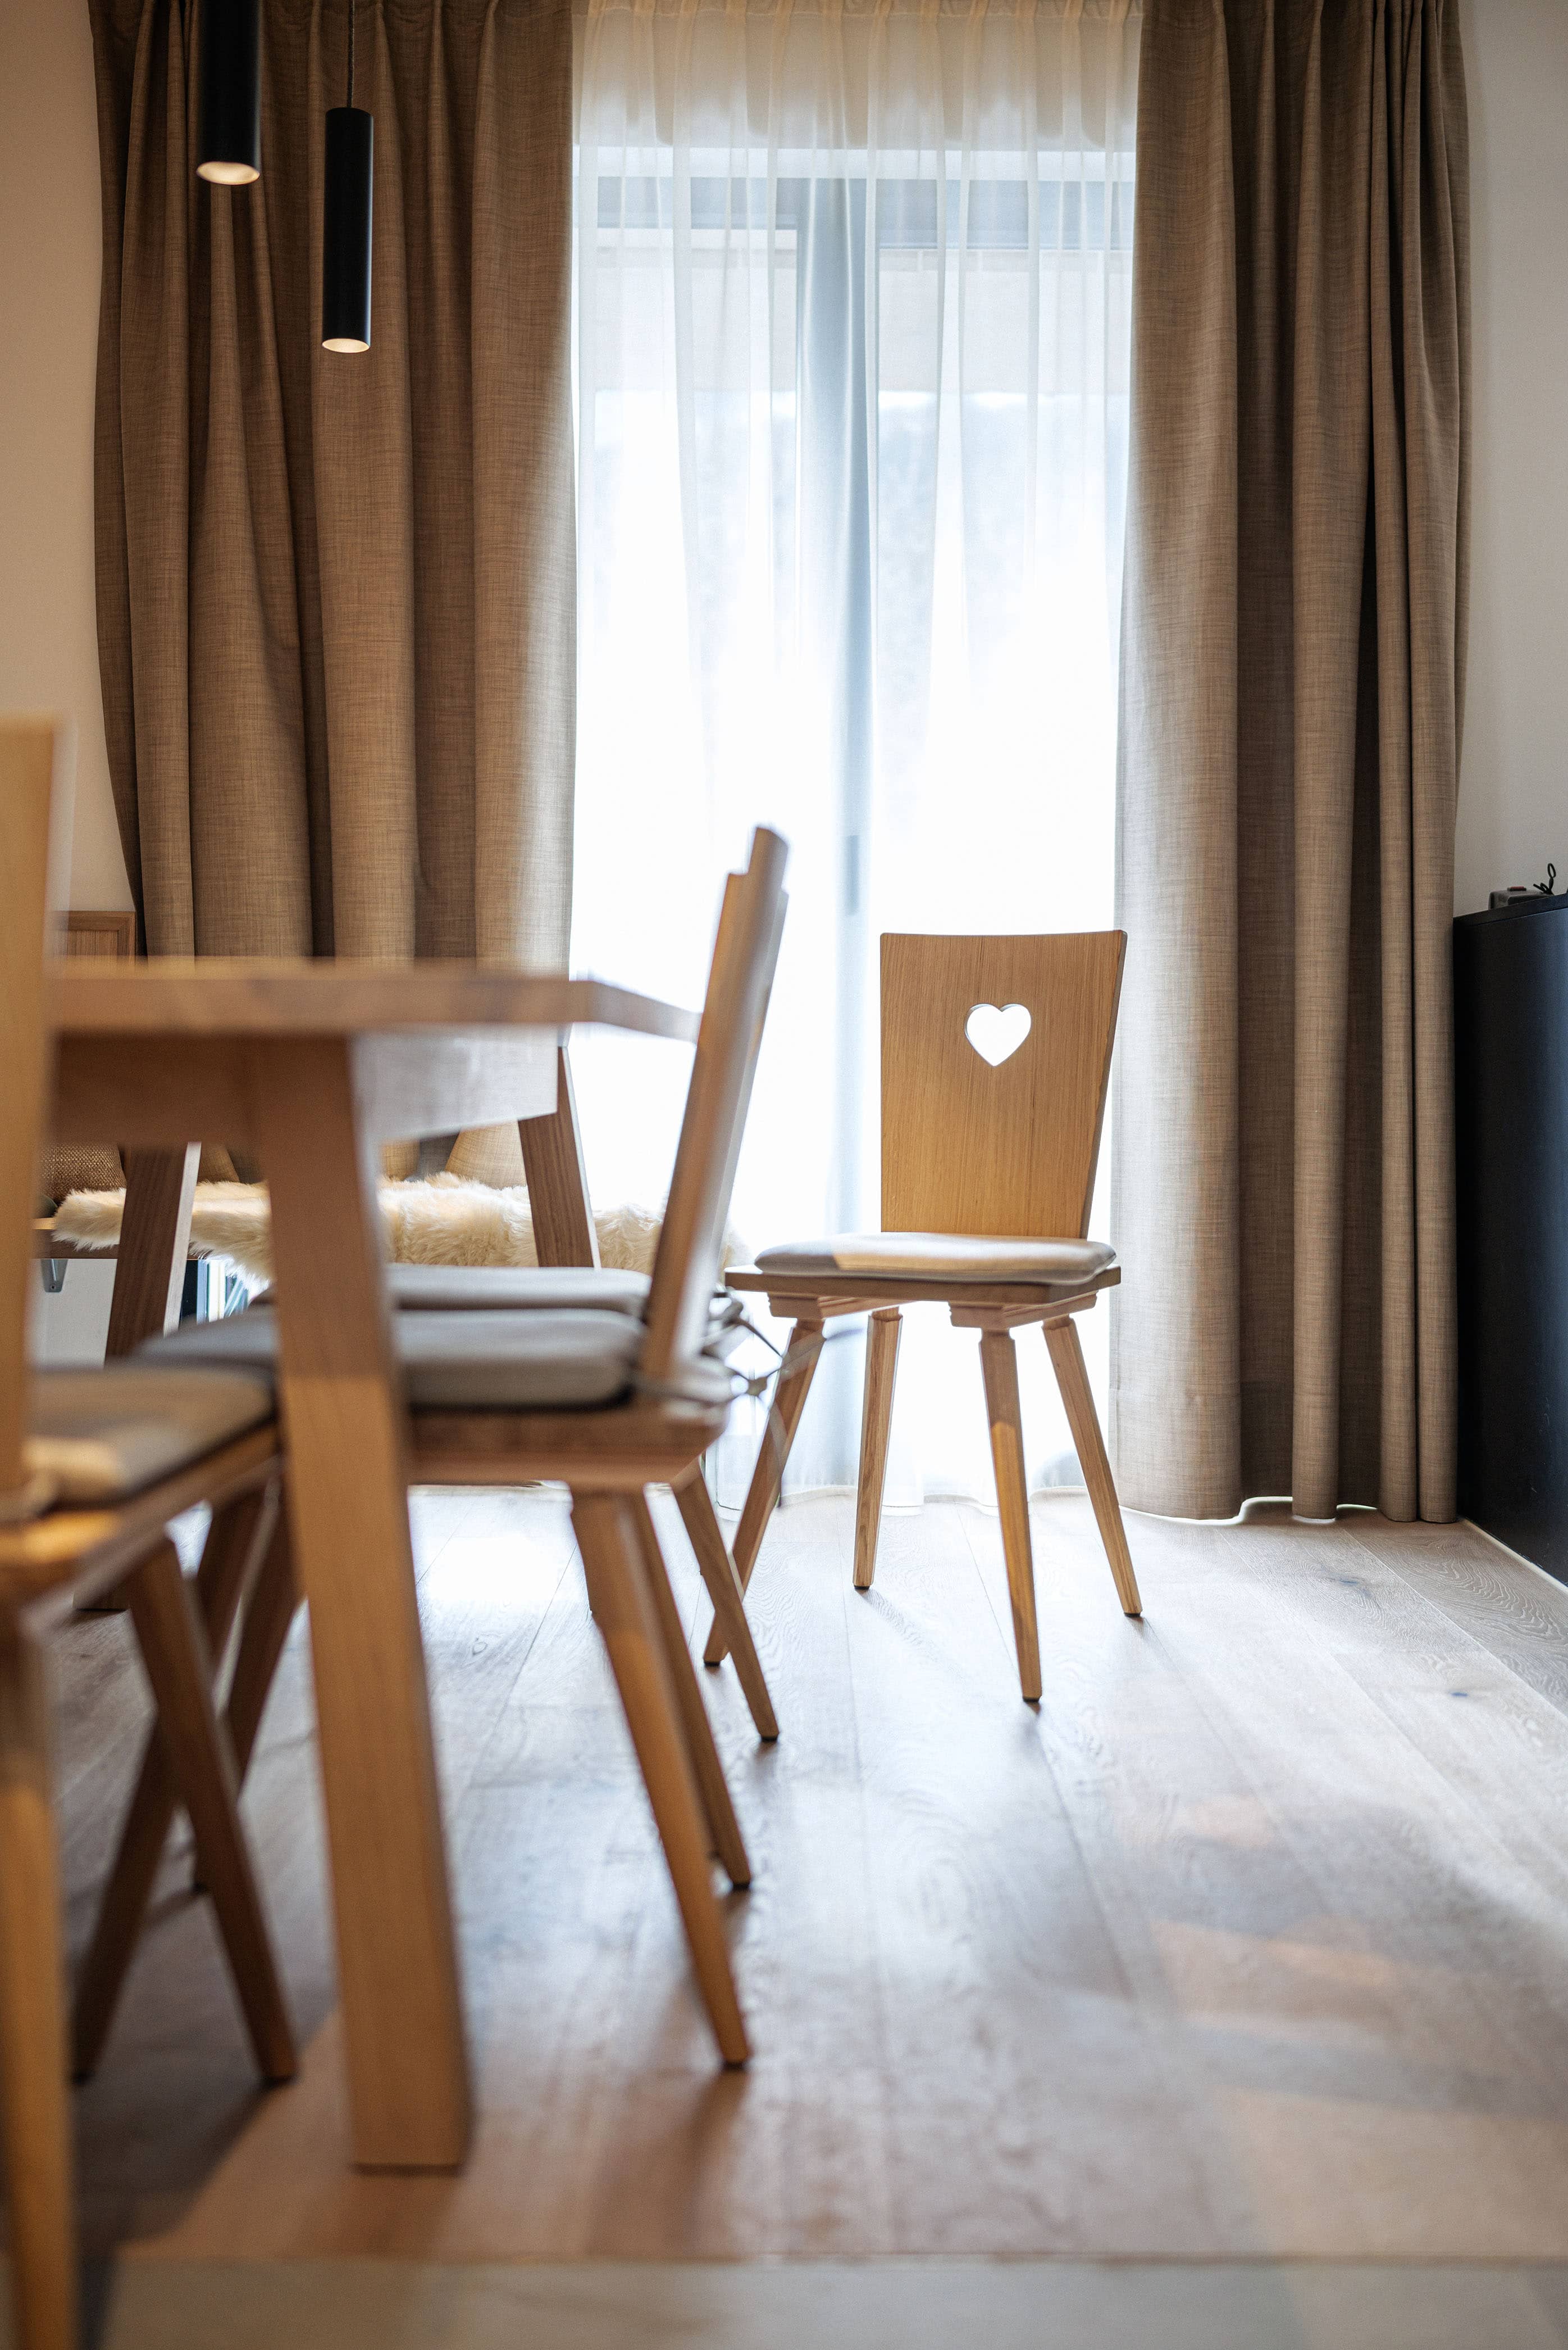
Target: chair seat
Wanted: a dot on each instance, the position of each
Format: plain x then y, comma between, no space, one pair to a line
541,1288
544,1289
940,1256
516,1360
100,1435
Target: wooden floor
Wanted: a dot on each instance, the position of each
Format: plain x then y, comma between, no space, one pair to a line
1250,1943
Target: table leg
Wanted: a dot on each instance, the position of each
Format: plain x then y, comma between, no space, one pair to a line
345,1426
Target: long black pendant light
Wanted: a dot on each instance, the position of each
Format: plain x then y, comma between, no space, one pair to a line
345,227
228,127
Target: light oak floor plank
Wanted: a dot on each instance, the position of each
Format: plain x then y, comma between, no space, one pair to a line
892,2306
1516,1612
1249,1944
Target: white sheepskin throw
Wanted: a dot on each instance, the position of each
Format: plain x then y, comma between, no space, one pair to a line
442,1221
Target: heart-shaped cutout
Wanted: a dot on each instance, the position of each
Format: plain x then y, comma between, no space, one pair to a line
996,1031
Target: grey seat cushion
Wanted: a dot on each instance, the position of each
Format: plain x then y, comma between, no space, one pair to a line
100,1436
516,1360
542,1288
943,1256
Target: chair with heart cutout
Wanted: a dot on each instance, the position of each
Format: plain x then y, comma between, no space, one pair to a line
996,1055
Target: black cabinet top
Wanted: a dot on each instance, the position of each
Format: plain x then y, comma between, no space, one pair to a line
1534,904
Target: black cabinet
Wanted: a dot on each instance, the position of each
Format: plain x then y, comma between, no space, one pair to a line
1510,1069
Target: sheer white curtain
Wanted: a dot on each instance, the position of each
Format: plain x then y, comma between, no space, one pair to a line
853,289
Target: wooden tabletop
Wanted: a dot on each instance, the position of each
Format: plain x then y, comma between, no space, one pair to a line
216,996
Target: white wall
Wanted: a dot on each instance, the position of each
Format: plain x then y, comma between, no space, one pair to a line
1513,788
50,241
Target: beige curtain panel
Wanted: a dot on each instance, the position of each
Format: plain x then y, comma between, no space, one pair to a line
337,594
1292,704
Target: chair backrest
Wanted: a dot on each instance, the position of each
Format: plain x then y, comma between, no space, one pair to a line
992,1125
740,980
35,819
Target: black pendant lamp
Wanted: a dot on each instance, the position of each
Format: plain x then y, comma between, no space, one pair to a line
346,228
228,127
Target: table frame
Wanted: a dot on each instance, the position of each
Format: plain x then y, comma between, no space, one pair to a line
312,1067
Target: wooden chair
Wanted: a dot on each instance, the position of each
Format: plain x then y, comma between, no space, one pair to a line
569,1276
995,1059
274,1601
93,1465
606,1402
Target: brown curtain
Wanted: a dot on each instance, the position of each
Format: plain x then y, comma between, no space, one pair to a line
1294,636
335,594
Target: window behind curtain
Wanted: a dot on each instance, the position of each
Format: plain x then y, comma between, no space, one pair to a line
853,327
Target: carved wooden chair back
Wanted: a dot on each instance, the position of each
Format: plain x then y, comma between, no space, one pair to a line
996,1052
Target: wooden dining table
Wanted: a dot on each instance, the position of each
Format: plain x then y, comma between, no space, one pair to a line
312,1066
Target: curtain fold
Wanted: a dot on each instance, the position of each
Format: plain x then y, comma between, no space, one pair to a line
1291,698
854,303
337,594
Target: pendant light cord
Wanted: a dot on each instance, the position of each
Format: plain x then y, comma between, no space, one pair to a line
352,12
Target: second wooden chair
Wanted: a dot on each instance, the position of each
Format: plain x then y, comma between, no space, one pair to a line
996,1055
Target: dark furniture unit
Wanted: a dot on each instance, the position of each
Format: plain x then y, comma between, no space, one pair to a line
1511,1066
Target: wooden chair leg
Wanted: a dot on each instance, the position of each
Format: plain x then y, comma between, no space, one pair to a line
706,1536
727,1846
228,1557
1072,1378
149,1272
274,1604
778,1437
154,1239
181,1675
558,1178
883,1331
623,1609
999,1366
33,2115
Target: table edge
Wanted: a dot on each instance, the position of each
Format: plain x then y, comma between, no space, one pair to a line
213,996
